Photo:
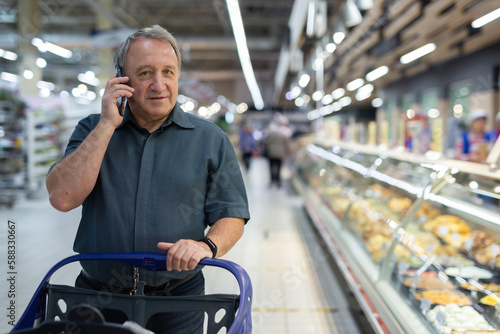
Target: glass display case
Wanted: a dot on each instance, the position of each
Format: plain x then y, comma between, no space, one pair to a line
416,239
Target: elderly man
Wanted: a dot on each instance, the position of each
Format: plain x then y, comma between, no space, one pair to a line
155,177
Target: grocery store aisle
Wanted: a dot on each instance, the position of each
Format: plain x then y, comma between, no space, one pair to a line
278,250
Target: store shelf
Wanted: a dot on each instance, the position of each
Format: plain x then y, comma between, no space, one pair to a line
44,147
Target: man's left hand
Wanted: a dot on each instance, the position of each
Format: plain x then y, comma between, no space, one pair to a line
184,254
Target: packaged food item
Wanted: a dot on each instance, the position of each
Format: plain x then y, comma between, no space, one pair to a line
489,300
490,286
427,282
452,229
400,205
469,272
458,319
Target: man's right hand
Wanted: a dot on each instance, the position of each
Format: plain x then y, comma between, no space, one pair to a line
115,88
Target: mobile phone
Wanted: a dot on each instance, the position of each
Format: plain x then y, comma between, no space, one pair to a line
122,99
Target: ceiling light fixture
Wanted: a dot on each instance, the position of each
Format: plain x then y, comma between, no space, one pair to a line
338,93
483,20
241,44
355,84
338,31
352,14
377,73
89,78
364,4
9,55
418,53
10,77
52,48
311,18
304,80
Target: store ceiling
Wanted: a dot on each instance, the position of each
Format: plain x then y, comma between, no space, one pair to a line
211,66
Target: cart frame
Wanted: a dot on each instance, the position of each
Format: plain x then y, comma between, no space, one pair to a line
242,322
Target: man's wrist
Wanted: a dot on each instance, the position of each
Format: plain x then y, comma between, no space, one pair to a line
211,245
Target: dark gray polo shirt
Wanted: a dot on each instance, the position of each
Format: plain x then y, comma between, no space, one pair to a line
164,186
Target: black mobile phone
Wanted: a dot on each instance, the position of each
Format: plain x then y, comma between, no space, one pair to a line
122,99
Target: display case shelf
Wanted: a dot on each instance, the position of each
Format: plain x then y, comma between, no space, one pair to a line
399,220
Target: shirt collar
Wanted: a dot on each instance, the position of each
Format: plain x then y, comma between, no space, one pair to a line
177,116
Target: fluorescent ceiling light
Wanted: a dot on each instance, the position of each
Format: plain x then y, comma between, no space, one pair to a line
377,73
9,55
339,31
345,101
311,18
338,93
327,99
304,80
45,85
355,84
352,14
317,95
55,49
27,74
377,102
331,47
365,4
6,76
486,19
40,62
241,44
89,78
418,53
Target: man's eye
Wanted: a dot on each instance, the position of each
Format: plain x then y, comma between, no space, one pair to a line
145,73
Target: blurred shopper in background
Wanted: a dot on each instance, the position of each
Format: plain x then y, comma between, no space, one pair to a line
277,146
247,144
474,144
496,130
419,138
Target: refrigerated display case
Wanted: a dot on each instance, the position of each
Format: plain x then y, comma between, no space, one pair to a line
415,238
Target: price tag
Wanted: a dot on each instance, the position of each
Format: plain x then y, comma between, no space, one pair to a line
494,253
425,305
403,267
441,318
468,244
416,278
443,230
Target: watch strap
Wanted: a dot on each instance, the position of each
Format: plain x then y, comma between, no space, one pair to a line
211,245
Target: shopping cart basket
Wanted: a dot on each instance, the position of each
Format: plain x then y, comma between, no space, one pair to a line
44,307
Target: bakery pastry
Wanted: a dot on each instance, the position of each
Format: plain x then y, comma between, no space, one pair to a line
443,297
429,283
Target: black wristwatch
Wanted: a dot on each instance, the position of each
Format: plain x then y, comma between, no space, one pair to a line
210,243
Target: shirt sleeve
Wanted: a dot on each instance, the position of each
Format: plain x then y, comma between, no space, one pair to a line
226,194
82,130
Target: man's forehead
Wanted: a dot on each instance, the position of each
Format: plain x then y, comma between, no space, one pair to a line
144,45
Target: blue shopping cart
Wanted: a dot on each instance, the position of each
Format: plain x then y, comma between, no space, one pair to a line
45,315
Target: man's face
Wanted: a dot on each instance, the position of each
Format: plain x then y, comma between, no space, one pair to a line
153,70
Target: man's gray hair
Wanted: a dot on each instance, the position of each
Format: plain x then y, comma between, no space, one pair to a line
154,32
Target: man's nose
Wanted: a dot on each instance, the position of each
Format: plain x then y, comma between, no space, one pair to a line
158,82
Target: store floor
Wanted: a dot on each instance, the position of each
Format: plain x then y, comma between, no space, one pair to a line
294,288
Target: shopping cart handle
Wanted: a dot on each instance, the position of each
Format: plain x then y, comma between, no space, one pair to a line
146,260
